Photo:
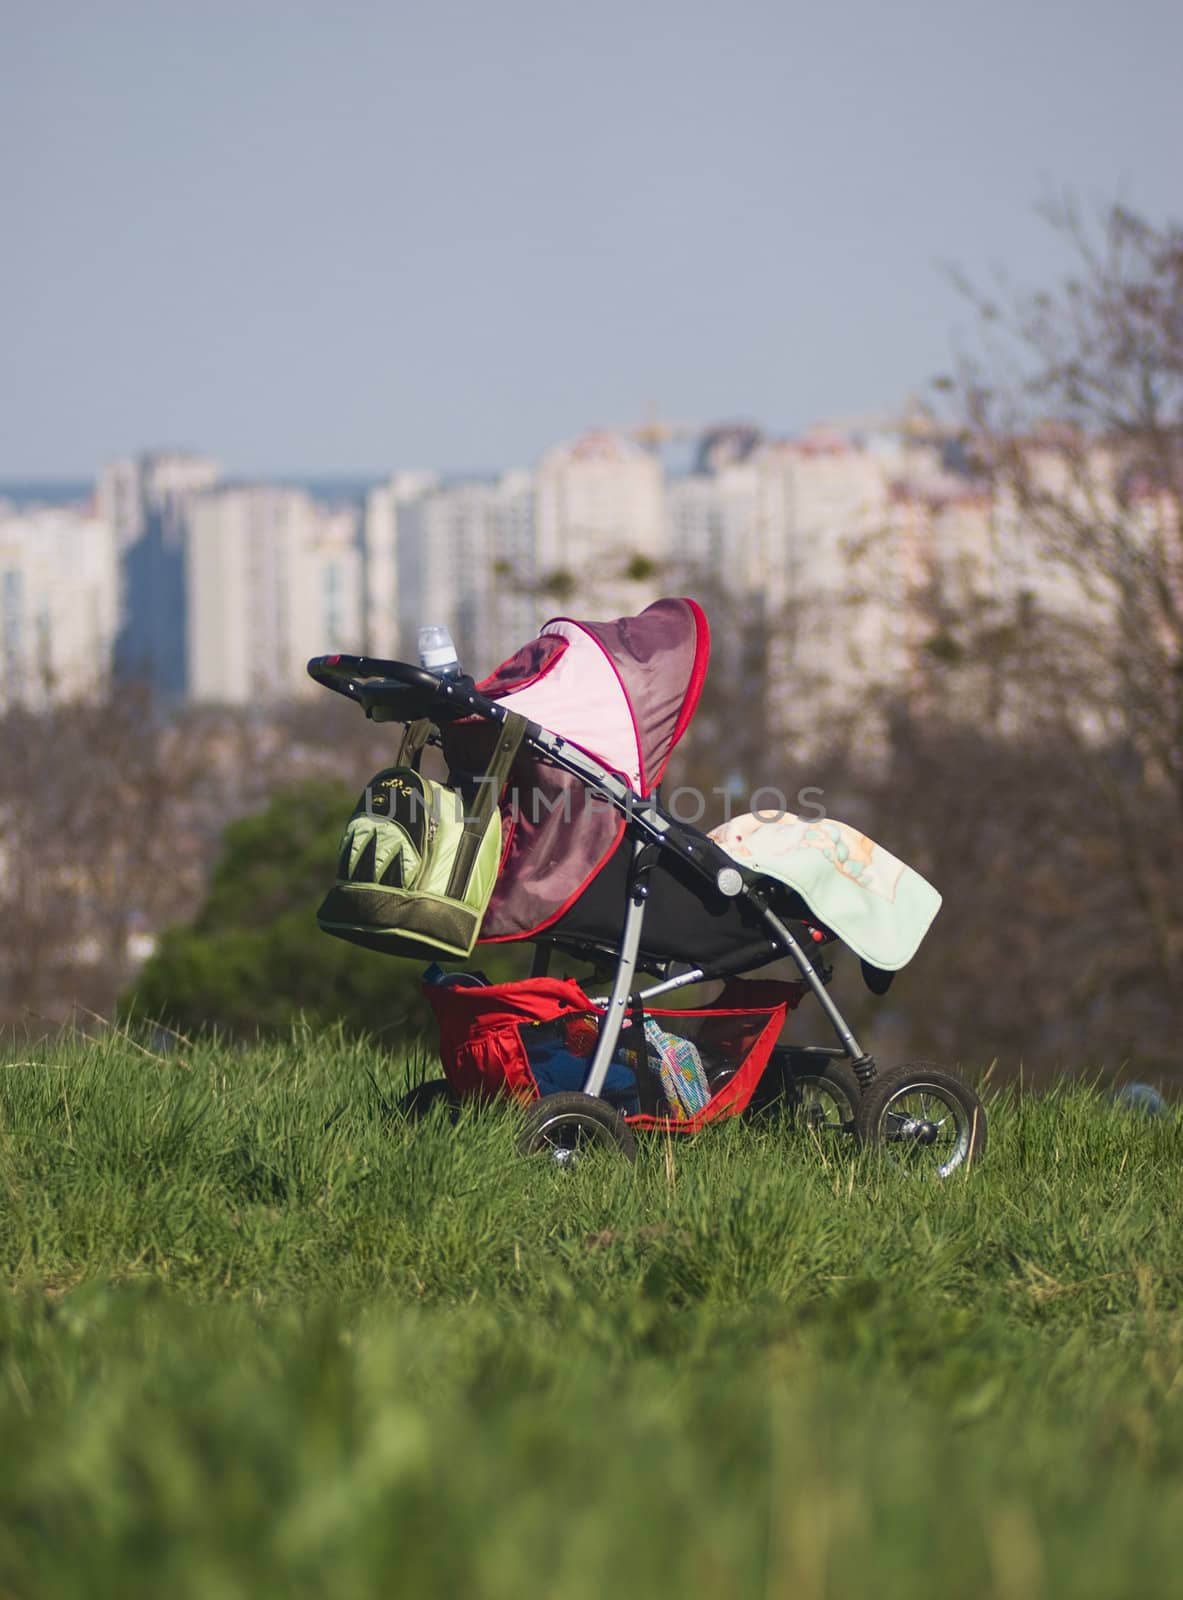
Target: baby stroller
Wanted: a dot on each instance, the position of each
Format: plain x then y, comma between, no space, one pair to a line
558,837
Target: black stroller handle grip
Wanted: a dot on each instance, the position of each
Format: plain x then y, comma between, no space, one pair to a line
396,691
348,674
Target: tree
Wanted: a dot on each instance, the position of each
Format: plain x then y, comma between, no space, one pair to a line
253,958
1072,406
112,810
95,843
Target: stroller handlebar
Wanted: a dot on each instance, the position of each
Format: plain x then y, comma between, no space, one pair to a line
346,673
396,691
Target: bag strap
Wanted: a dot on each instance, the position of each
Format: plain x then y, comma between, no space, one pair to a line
492,786
414,738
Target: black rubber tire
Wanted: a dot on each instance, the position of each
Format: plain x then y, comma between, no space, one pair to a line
426,1097
921,1095
829,1088
797,1084
558,1125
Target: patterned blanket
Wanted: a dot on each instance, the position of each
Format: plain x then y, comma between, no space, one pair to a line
876,905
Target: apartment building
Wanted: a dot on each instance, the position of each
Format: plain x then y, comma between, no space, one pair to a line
270,579
146,500
459,553
600,529
59,605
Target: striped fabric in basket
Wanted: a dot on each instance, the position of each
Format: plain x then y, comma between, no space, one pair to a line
683,1078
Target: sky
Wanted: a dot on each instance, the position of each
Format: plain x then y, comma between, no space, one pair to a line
346,239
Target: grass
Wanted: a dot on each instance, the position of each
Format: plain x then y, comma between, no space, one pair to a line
259,1338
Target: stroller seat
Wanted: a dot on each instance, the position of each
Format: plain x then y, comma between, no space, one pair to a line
683,914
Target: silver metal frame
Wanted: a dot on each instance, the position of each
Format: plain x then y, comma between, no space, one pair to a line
616,1005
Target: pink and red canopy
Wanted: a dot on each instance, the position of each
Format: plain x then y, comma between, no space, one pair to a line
625,692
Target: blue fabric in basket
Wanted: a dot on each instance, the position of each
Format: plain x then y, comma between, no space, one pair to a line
557,1071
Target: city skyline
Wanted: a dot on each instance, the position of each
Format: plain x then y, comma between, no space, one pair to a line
676,451
451,235
213,590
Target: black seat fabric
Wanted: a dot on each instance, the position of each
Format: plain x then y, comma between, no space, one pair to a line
686,918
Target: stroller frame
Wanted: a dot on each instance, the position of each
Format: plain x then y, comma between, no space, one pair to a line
395,691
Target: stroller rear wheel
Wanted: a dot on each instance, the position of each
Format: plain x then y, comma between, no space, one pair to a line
565,1126
812,1091
924,1116
824,1097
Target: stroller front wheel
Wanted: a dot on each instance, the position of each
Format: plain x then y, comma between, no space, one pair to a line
924,1116
565,1126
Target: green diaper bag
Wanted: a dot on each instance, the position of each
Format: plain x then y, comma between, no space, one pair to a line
419,859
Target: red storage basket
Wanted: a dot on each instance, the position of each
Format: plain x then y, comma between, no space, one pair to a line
484,1055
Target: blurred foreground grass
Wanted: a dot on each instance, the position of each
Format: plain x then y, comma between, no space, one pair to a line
259,1337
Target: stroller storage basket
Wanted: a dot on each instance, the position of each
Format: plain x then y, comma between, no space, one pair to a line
536,1036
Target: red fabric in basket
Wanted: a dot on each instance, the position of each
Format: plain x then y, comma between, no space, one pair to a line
479,1027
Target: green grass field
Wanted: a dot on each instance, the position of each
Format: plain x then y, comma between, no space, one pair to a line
259,1338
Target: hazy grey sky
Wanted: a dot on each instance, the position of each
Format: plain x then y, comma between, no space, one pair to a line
358,236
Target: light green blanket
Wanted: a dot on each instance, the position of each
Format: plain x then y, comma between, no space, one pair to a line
876,905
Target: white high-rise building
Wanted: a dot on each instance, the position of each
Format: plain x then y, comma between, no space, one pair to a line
131,489
600,526
327,592
464,558
824,545
492,559
514,612
713,526
59,597
271,578
443,562
146,501
382,603
379,543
